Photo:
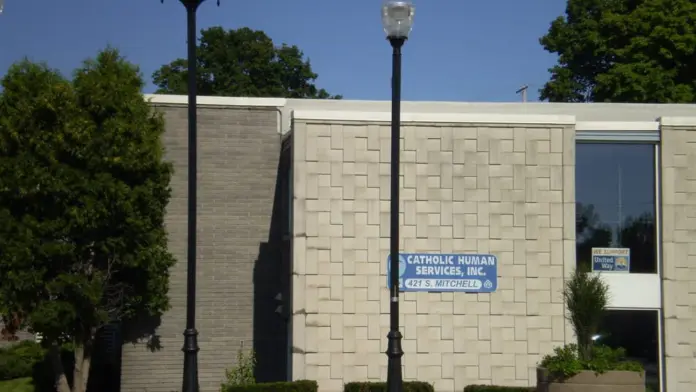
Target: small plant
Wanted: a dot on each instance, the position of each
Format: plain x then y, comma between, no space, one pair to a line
586,296
243,372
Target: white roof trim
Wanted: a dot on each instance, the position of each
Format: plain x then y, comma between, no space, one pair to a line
614,126
216,101
483,118
678,121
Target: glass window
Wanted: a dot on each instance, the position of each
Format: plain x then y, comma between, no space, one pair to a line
615,202
640,340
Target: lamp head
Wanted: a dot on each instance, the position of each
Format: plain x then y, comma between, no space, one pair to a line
189,3
397,18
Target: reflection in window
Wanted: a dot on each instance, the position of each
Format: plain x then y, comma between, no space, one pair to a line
615,196
635,331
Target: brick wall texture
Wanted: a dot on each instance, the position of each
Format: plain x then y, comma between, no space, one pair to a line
473,188
679,256
239,150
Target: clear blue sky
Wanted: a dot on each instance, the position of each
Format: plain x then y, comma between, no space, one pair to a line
460,50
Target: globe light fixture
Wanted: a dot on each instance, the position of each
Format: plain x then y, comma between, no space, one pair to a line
397,18
2,3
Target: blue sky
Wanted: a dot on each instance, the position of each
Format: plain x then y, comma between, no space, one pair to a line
460,50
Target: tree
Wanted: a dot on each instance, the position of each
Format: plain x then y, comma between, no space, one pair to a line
243,63
590,233
83,190
638,234
623,51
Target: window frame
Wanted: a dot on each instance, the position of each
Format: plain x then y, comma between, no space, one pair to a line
636,132
637,299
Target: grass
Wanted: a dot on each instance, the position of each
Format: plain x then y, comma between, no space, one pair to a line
17,385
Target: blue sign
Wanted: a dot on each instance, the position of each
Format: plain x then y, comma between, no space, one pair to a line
469,273
611,260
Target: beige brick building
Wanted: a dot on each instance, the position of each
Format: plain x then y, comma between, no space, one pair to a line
506,179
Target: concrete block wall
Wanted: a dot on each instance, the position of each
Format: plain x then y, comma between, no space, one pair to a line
466,187
239,149
679,252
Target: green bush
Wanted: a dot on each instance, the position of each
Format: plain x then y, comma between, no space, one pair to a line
243,372
18,360
586,297
409,386
494,388
287,386
566,361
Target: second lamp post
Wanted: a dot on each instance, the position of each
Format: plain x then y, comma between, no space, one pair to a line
397,19
190,349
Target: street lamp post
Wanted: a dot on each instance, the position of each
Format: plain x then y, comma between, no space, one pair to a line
397,19
190,349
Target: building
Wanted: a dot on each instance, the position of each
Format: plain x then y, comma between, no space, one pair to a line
294,234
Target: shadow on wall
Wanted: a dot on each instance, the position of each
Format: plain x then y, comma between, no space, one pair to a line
272,276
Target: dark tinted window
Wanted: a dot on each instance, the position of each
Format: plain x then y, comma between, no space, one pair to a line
635,331
615,196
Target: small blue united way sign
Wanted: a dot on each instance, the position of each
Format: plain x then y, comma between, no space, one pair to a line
468,273
611,260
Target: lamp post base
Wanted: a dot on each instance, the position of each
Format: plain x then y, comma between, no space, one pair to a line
190,350
394,352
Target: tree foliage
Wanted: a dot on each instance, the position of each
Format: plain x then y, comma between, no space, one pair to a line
623,51
634,233
243,63
83,190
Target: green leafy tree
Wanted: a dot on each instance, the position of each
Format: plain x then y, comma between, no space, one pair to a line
243,63
638,234
83,190
623,51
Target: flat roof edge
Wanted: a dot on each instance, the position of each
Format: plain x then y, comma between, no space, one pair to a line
412,117
675,121
164,99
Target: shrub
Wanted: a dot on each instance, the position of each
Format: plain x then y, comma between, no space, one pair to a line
243,372
586,296
18,360
494,388
409,386
287,386
566,361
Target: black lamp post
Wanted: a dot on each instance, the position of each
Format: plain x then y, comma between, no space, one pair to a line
190,349
397,19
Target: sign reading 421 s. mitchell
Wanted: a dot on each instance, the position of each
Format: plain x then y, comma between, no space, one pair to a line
469,273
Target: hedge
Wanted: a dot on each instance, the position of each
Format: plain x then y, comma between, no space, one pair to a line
18,360
409,386
285,386
493,388
27,359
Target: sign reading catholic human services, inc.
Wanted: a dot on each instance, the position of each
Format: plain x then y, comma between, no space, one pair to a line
469,273
611,260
